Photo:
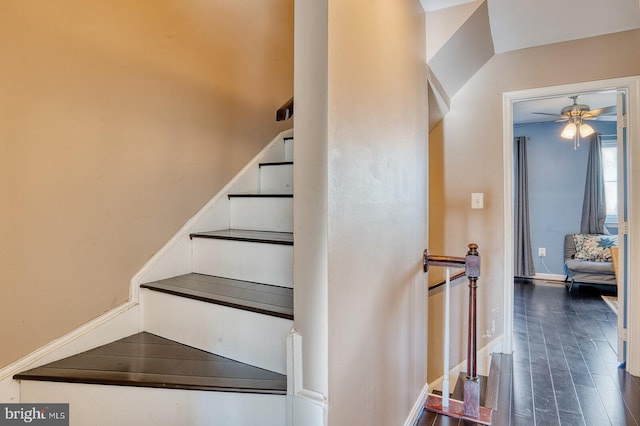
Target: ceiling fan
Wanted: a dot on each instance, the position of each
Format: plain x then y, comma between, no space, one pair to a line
580,111
575,114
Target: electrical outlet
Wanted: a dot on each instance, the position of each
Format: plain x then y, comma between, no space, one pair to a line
542,252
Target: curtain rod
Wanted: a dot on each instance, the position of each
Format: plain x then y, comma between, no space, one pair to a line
604,136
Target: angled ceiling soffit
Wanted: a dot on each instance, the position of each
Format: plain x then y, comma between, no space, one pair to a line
443,23
464,53
439,102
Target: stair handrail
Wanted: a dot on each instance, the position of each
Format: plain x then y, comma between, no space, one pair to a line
452,278
285,112
471,263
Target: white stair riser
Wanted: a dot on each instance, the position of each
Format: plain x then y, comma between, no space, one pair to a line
261,213
248,337
101,405
278,151
276,178
288,149
241,260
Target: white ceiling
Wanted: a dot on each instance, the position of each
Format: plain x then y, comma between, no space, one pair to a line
518,24
431,5
523,110
521,24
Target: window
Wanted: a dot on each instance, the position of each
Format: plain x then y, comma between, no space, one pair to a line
610,172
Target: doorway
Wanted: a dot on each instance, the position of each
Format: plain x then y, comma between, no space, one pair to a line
629,291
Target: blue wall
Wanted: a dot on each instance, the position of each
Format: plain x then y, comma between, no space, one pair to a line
557,176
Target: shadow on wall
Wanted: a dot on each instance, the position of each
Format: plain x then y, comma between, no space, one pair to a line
125,118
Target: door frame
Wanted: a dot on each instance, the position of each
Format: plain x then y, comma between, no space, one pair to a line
632,85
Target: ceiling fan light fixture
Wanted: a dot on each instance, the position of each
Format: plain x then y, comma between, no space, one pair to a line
569,131
585,130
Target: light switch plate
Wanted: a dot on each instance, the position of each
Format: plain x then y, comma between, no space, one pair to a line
477,200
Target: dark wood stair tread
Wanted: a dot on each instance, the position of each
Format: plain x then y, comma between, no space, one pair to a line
260,195
268,237
147,360
276,163
250,296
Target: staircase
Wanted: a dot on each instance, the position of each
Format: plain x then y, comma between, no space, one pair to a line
215,311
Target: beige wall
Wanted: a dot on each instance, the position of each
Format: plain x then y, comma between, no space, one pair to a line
118,120
377,206
469,143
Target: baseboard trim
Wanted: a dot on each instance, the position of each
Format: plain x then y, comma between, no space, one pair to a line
549,277
304,406
483,365
418,407
112,325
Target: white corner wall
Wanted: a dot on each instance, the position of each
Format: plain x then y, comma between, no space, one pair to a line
310,269
361,206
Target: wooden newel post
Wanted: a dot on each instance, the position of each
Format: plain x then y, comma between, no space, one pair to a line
469,409
471,405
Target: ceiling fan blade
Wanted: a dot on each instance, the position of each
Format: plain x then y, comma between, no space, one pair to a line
533,123
548,113
601,111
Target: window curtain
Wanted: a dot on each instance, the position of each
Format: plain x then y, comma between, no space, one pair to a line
523,258
594,211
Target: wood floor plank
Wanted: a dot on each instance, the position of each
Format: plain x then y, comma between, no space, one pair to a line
446,421
629,387
592,408
565,391
517,420
612,400
571,419
427,418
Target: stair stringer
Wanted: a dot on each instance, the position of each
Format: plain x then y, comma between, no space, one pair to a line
175,257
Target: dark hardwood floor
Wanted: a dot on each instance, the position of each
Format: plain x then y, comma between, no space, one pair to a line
565,364
565,368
